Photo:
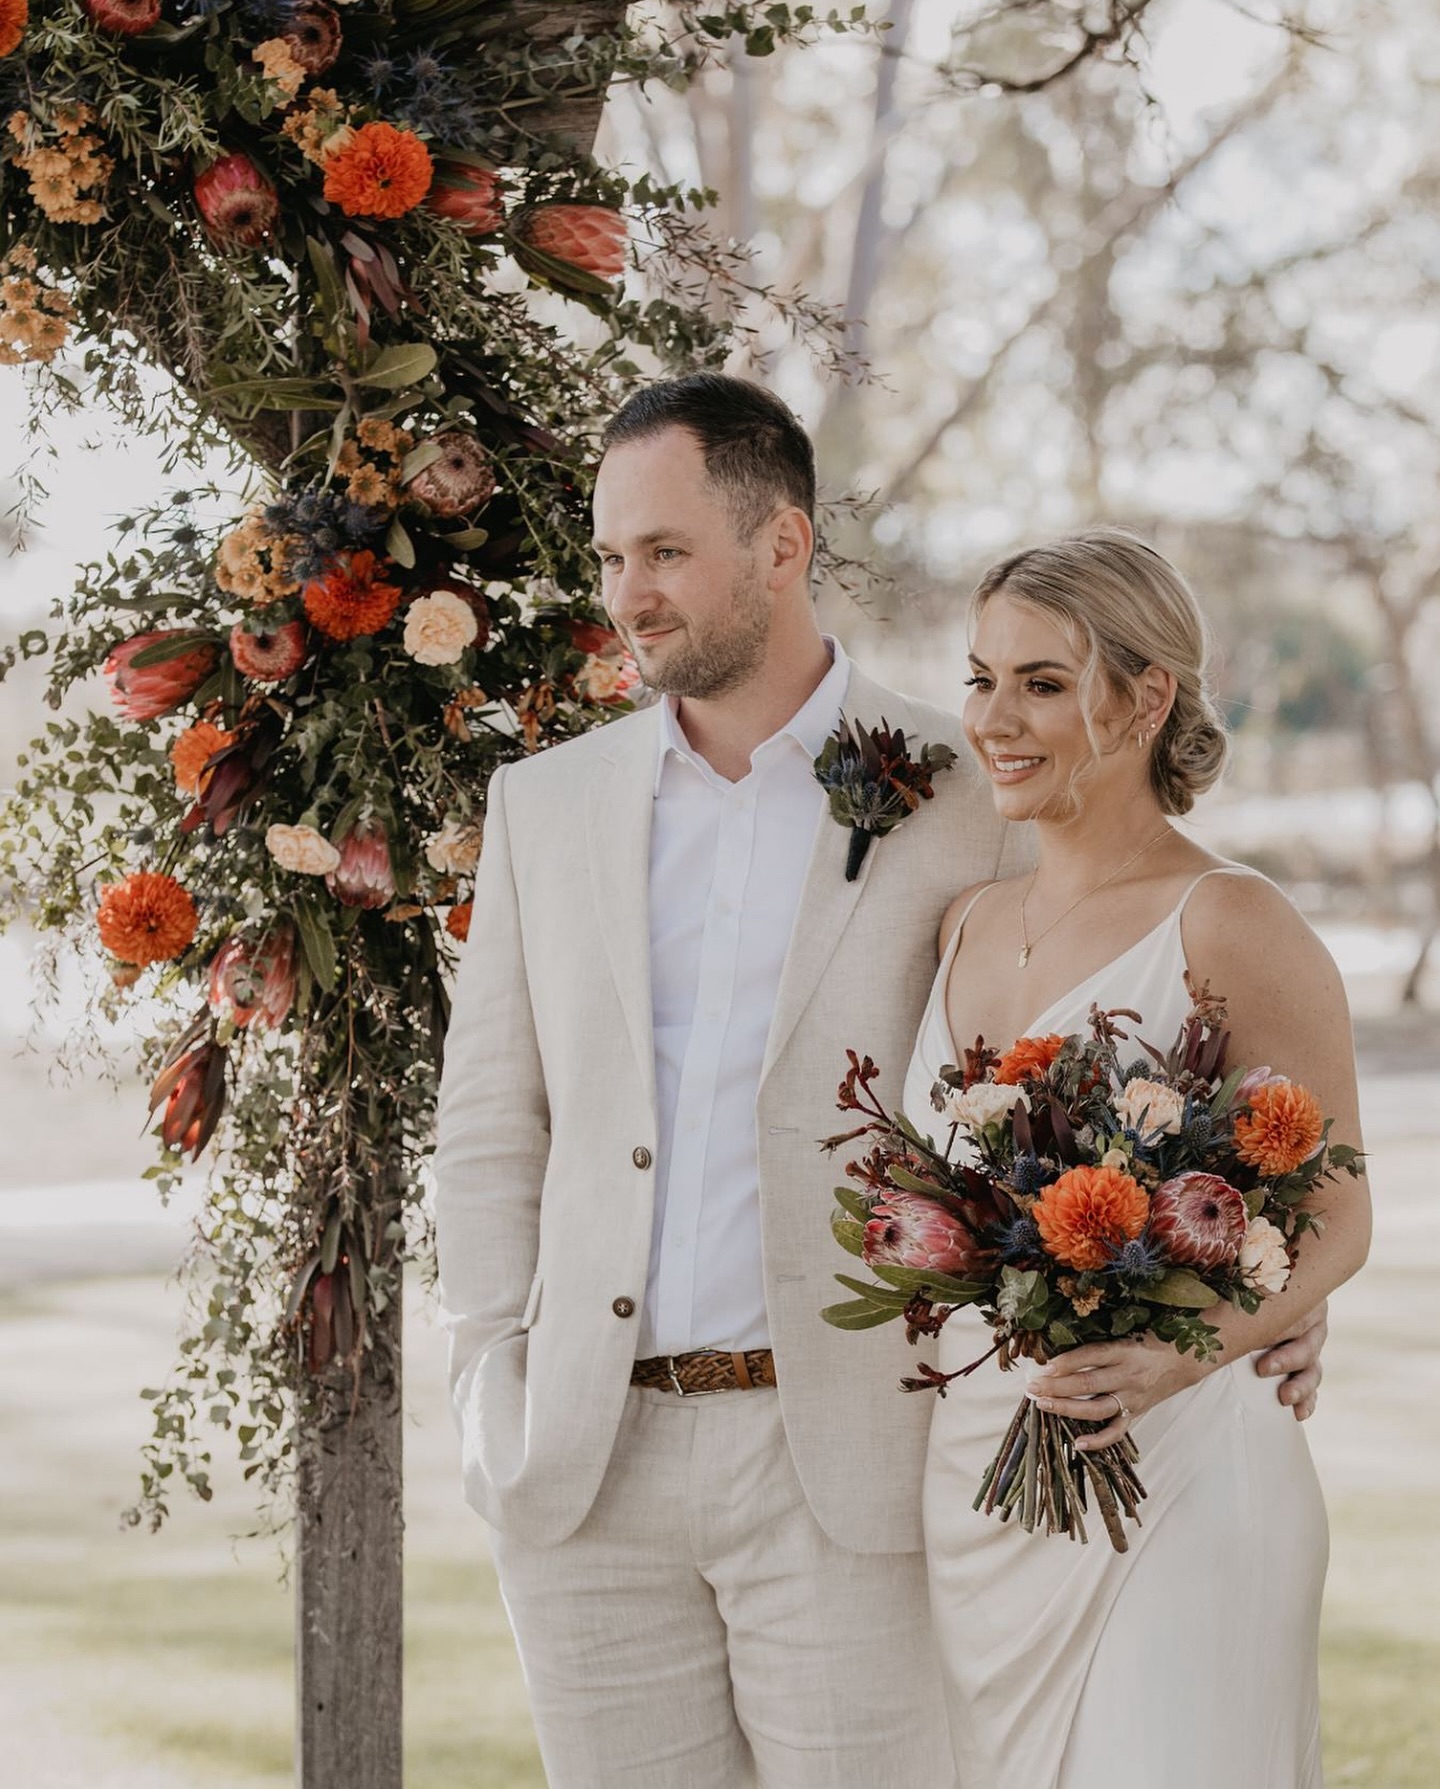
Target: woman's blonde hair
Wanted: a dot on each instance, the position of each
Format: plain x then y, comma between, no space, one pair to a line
1125,608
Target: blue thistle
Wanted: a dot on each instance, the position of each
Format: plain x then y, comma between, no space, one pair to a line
1028,1173
1019,1241
323,523
1138,1259
1197,1126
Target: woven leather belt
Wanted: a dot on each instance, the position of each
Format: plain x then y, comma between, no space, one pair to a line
706,1370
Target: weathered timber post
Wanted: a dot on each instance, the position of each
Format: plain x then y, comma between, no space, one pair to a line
349,1627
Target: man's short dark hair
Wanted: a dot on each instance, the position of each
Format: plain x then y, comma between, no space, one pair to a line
755,451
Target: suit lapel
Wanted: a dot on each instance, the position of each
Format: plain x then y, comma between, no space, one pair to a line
827,900
617,823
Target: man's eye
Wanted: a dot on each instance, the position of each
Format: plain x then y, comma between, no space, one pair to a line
667,552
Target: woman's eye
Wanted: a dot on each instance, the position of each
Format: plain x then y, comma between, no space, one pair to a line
1041,687
977,683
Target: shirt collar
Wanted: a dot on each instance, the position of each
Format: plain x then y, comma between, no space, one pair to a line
810,726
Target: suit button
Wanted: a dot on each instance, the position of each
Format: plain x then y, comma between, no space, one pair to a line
624,1307
642,1157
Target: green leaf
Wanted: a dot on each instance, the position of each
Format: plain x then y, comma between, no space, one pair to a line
466,539
316,942
849,1234
419,458
399,545
160,652
883,1295
1183,1288
927,1279
394,368
857,1313
854,1203
911,1183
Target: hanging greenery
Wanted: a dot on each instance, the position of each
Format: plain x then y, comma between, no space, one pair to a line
339,230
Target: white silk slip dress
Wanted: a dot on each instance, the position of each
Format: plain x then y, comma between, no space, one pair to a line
1188,1662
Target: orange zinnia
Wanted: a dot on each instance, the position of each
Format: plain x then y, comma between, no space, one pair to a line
1087,1213
380,172
1282,1128
146,918
14,17
1028,1058
191,749
348,601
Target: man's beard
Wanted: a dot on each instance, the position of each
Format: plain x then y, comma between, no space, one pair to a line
725,656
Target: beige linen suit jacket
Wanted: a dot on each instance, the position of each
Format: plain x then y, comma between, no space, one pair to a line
547,1127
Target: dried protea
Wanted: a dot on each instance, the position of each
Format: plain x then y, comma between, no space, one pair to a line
253,981
152,673
191,1087
237,201
364,876
123,18
458,480
270,656
469,197
313,35
589,239
1199,1220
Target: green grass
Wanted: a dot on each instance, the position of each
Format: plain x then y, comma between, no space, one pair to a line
170,1655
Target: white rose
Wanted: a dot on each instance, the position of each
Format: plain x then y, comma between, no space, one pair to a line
1149,1106
455,849
302,849
1264,1262
439,627
985,1103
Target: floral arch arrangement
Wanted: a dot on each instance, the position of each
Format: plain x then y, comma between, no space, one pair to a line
328,225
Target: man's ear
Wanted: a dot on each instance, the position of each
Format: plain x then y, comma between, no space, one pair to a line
791,546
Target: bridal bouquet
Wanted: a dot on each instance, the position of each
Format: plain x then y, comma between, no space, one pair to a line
1076,1200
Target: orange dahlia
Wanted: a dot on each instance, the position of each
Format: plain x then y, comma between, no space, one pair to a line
14,17
191,750
1282,1128
457,920
349,600
380,172
146,918
1028,1058
1087,1213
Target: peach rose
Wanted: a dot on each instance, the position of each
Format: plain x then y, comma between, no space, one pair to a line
439,627
302,849
455,849
1264,1259
1150,1106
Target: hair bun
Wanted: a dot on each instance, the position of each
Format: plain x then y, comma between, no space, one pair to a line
1189,756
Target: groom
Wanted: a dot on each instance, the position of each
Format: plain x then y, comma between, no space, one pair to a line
706,1500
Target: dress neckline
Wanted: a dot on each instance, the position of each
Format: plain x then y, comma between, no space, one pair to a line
1033,1029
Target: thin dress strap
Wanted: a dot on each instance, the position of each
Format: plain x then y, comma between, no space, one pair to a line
1221,869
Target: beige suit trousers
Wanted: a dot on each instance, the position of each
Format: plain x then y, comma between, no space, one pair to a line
700,1631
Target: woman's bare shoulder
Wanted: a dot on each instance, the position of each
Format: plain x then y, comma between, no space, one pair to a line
962,904
1243,927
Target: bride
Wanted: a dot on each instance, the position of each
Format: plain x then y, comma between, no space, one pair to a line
1191,1659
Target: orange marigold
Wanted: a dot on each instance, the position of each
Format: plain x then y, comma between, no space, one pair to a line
457,921
146,918
1028,1058
191,749
14,17
1087,1213
348,600
380,172
1282,1128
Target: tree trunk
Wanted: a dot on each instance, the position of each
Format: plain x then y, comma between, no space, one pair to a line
349,1610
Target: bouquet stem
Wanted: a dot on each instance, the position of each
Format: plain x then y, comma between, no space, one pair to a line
1038,1469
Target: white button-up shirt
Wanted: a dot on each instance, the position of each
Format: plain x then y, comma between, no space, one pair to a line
727,865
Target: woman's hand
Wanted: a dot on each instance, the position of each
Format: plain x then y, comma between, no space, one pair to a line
1113,1383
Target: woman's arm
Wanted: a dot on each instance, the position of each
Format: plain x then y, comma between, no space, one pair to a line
1287,1009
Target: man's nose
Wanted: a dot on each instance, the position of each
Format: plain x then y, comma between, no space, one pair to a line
627,592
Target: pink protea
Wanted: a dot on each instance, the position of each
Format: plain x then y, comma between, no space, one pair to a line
909,1230
364,876
271,656
469,197
1198,1220
237,201
123,18
145,692
313,35
254,982
592,238
459,480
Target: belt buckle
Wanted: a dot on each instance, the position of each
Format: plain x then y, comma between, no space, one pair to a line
680,1391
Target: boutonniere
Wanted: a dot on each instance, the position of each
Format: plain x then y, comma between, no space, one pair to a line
873,782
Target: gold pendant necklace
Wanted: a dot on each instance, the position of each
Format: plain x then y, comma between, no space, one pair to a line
1027,944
